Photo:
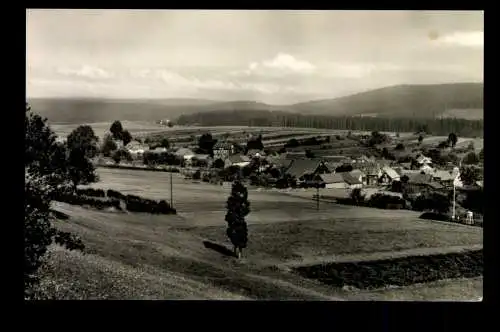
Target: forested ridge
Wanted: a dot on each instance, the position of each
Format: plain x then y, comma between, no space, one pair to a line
464,128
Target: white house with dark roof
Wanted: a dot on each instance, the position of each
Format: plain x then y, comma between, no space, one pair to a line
388,175
184,153
423,160
340,181
136,148
236,160
222,150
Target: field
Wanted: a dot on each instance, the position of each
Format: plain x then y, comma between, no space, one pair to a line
186,256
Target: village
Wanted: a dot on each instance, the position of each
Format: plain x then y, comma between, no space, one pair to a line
394,172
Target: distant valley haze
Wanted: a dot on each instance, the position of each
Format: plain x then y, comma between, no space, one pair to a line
165,63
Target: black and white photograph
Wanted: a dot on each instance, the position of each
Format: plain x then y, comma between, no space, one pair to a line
249,155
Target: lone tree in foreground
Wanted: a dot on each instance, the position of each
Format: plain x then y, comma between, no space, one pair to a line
238,208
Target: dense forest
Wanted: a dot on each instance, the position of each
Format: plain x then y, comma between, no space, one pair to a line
464,128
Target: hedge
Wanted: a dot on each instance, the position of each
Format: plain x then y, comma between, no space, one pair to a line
382,201
94,202
138,204
133,203
91,192
115,194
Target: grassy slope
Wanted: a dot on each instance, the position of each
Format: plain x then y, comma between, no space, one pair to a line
158,257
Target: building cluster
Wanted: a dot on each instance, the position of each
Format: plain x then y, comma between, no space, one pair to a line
340,172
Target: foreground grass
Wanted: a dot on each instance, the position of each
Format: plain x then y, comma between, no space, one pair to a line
143,256
306,240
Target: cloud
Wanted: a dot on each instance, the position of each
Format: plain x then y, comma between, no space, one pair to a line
357,69
86,71
174,80
282,64
465,39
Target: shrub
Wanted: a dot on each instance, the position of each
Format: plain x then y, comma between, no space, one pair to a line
89,201
383,201
115,194
138,204
434,202
357,196
434,216
91,192
400,147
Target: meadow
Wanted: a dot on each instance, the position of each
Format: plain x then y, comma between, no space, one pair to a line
187,256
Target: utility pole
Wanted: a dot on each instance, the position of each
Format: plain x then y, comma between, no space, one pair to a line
453,214
454,190
171,192
317,197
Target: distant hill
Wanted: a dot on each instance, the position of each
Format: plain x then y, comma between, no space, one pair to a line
425,101
73,110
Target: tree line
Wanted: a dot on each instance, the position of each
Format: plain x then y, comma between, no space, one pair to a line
51,168
461,127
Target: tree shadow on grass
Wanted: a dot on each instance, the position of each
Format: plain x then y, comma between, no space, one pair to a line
219,248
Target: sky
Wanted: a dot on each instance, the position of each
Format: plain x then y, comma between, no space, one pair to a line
273,56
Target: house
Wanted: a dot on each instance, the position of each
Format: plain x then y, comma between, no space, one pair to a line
158,150
279,163
445,177
184,153
388,176
304,169
236,160
352,182
363,159
333,180
292,155
136,148
423,160
337,159
340,181
255,153
222,150
358,174
426,168
405,165
118,143
199,160
418,183
373,173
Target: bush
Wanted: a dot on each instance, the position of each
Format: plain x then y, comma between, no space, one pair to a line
400,147
357,196
115,194
89,201
434,202
434,216
91,192
383,201
59,215
138,204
